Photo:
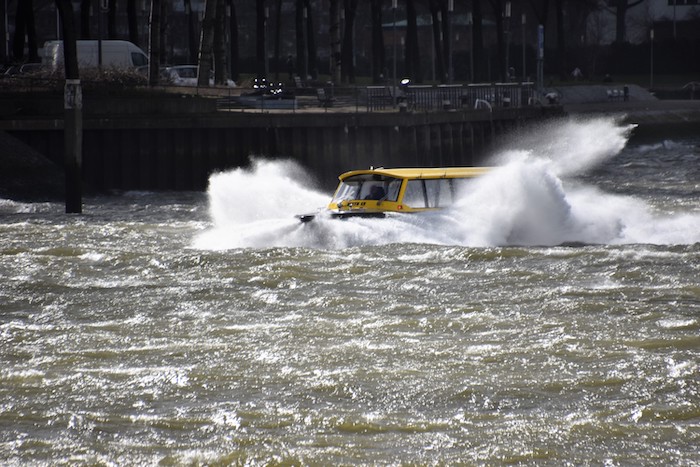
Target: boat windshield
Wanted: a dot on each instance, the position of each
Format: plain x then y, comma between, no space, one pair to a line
368,186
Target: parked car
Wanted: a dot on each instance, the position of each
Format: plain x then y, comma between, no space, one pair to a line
186,75
23,69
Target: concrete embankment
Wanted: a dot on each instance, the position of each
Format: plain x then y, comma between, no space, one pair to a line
651,115
164,149
178,151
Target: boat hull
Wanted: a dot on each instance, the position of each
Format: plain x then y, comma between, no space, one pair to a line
304,218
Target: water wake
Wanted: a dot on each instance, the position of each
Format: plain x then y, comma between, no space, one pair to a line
531,198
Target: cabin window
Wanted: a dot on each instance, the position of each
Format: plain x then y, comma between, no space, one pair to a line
414,195
392,191
436,193
368,186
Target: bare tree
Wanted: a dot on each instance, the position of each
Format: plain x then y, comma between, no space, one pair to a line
499,15
70,48
412,59
192,46
219,43
311,41
24,25
278,35
260,39
132,21
300,30
480,71
154,44
561,40
4,53
85,6
206,43
436,14
620,8
379,71
347,51
233,42
335,57
112,20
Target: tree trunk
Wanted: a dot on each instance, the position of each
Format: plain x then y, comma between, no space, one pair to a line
500,40
112,20
413,70
260,40
70,48
24,25
561,40
335,58
20,32
4,53
85,6
154,44
446,40
437,41
192,46
206,43
480,71
379,71
233,42
164,28
278,35
132,21
620,24
311,41
301,63
31,33
219,44
348,49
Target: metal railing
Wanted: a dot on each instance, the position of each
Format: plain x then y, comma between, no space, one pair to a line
465,97
411,98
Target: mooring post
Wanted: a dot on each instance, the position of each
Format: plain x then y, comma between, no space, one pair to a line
73,136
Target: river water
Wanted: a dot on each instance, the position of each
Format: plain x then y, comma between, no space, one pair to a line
551,317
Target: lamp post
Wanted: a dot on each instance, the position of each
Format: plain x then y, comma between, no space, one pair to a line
523,21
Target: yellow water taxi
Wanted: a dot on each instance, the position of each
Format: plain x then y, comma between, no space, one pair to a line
378,191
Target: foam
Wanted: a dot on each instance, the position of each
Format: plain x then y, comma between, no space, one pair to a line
531,198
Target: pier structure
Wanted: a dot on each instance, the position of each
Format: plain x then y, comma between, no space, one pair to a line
174,142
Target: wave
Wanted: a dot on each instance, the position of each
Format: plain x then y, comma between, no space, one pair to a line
532,198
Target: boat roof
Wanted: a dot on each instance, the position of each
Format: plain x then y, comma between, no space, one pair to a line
420,172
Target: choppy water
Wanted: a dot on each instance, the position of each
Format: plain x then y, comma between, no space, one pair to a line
552,317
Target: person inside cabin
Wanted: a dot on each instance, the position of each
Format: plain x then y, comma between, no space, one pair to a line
376,192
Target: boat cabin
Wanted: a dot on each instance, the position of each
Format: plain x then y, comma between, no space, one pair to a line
375,192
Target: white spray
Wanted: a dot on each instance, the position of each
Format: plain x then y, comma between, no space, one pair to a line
528,199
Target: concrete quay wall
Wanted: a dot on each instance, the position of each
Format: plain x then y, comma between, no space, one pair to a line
168,152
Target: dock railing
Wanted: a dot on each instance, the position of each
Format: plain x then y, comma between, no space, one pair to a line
427,98
385,98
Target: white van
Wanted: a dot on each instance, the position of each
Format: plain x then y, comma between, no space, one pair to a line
115,54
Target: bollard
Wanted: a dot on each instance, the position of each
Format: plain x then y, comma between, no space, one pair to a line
73,131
